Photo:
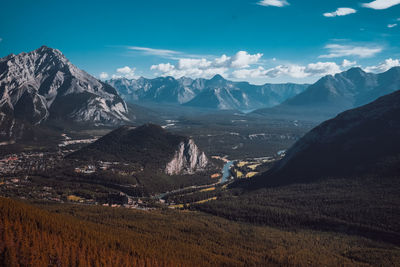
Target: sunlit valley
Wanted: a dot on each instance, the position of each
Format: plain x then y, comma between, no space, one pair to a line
132,152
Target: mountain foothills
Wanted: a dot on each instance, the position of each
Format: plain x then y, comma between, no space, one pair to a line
43,85
333,94
145,160
361,141
150,146
216,93
13,131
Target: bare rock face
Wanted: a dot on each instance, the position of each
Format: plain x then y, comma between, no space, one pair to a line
188,159
43,84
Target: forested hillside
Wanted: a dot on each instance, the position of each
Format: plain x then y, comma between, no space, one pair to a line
79,235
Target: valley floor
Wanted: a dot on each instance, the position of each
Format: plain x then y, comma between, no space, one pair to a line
72,214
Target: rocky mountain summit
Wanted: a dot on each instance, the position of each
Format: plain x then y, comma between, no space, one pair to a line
43,85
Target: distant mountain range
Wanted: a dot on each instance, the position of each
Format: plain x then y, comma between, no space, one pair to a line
216,93
361,141
43,85
334,94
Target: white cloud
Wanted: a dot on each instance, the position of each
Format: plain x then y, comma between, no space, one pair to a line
125,72
193,67
322,68
239,66
171,70
163,67
291,70
392,25
259,72
242,59
384,66
190,63
342,11
314,69
245,66
196,68
347,63
154,52
103,75
222,61
336,50
277,3
381,4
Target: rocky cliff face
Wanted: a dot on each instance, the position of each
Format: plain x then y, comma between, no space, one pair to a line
188,159
43,84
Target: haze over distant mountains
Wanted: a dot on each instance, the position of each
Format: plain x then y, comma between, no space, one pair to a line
216,93
42,85
333,94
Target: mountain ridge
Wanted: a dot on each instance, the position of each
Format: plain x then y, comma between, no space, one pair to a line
333,94
215,93
360,141
43,84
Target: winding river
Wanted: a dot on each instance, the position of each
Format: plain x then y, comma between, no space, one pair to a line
226,171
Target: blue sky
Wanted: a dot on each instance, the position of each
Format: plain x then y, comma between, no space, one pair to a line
258,41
